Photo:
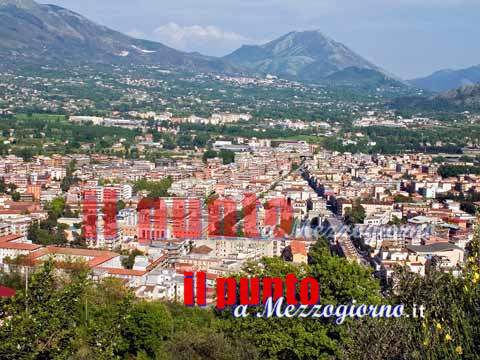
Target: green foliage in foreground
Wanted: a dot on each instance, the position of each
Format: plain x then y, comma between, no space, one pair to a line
70,317
67,316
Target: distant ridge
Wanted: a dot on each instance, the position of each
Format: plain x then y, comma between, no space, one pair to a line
444,80
465,98
43,34
25,4
306,56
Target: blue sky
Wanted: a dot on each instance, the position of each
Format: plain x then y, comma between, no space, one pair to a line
409,38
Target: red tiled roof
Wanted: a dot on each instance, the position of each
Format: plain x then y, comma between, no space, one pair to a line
23,206
98,256
11,237
128,272
204,249
157,261
298,247
19,246
9,212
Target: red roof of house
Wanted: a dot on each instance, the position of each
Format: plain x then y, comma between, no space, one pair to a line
10,212
11,237
181,267
97,256
203,249
126,272
19,246
298,247
23,206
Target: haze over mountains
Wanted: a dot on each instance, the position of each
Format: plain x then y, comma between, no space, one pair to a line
466,98
306,56
445,80
41,33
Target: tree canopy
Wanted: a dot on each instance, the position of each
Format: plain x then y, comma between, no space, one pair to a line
69,316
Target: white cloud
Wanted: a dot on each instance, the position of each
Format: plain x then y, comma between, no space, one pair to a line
210,39
178,34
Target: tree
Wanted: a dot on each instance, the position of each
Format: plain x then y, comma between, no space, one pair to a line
49,231
283,338
287,254
395,221
69,317
129,261
446,171
26,153
169,143
468,207
402,199
56,207
16,196
79,241
156,189
148,325
227,156
121,205
451,324
201,140
209,154
351,281
355,214
69,178
37,316
11,188
208,344
64,315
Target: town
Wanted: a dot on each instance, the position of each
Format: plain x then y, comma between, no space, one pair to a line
380,211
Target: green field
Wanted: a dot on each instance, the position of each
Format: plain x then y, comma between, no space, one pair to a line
36,116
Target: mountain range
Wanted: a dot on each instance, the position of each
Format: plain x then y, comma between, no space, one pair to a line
445,80
466,98
306,56
40,34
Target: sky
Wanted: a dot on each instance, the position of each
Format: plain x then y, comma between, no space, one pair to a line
408,38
